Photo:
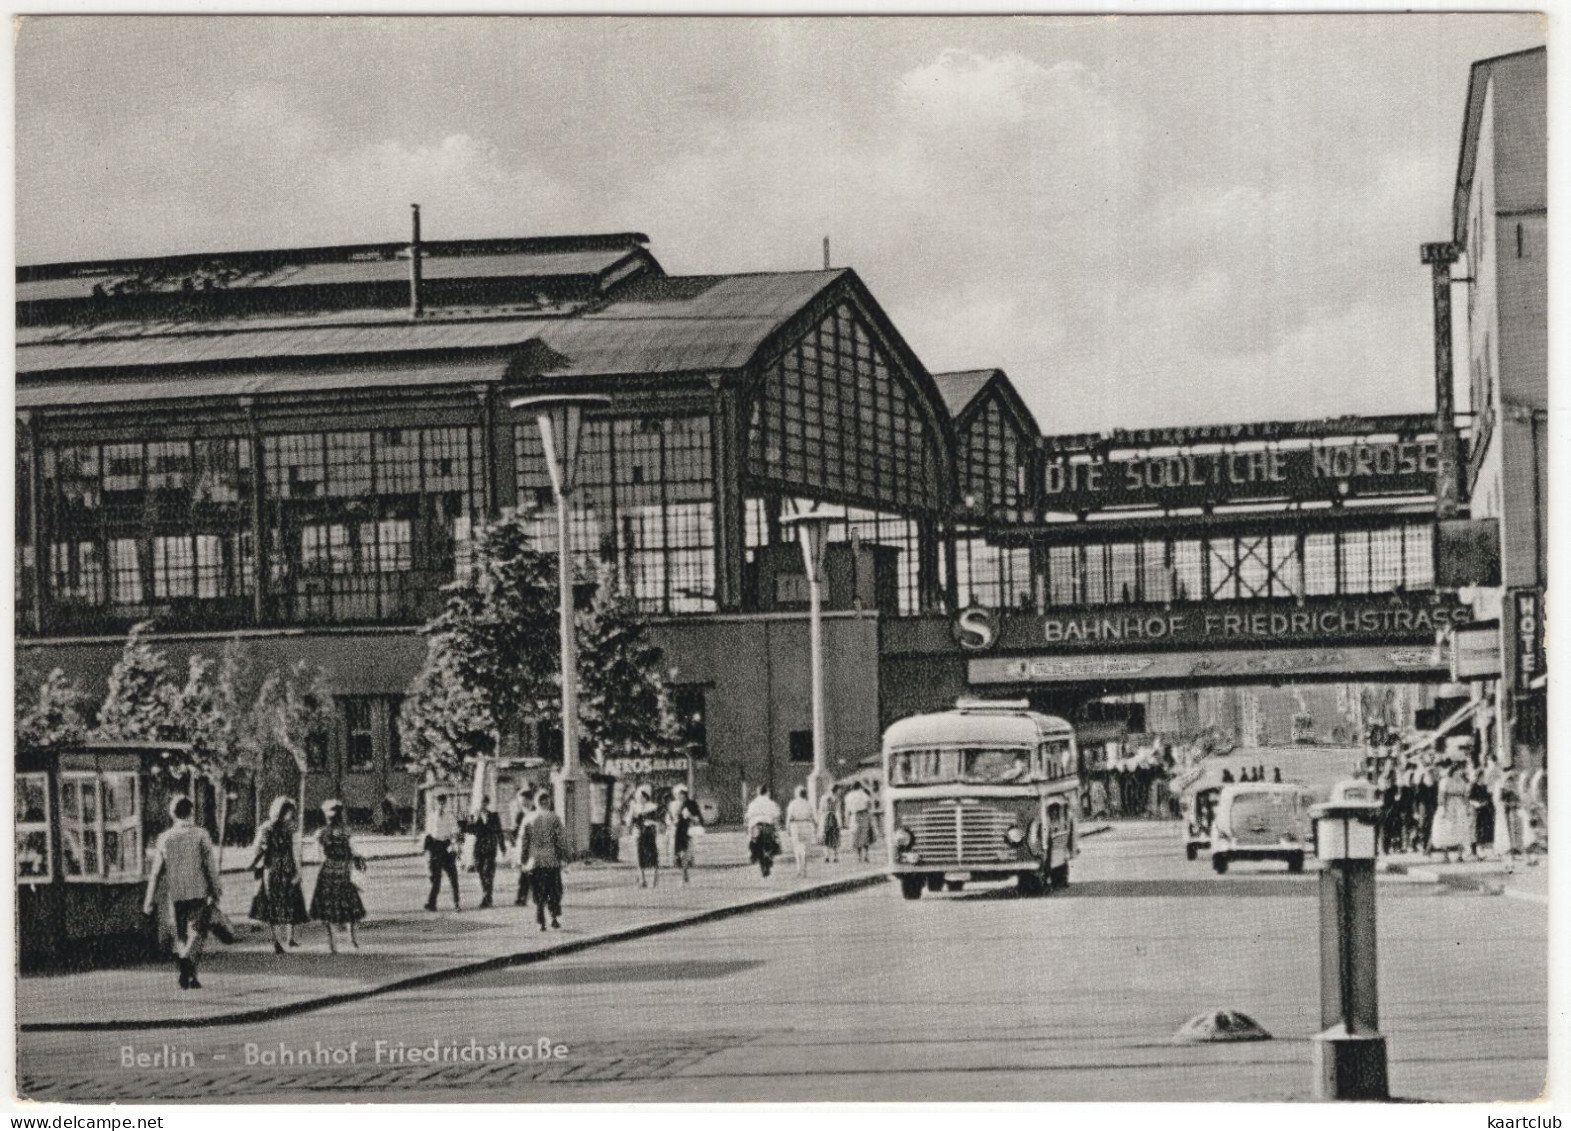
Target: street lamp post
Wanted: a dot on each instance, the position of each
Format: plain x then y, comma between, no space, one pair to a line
811,531
1350,1053
560,419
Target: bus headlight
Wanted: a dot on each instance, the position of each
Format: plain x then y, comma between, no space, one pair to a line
904,838
1015,835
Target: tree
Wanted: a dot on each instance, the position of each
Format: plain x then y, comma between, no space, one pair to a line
141,704
490,653
211,715
293,711
51,716
621,676
443,723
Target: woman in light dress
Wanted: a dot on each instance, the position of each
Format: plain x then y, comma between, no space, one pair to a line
1452,827
800,827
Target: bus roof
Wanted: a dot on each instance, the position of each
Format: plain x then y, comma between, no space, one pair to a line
1003,726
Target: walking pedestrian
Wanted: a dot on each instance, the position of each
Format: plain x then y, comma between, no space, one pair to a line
800,827
523,807
441,840
542,844
336,900
183,859
762,819
1428,804
829,824
859,819
683,816
486,829
279,900
1449,832
643,819
1482,806
1510,816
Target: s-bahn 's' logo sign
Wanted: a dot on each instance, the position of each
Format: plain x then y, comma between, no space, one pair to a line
976,628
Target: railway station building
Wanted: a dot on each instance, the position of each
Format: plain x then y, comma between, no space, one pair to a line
295,447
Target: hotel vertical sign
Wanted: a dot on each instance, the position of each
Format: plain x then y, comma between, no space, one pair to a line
1527,621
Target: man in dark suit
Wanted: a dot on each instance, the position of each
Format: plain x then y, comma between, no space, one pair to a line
486,828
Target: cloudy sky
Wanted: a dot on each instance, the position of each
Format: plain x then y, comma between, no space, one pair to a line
1143,220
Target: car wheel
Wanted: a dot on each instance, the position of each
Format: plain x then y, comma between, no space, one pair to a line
1295,863
911,886
935,883
1059,876
1032,883
1191,851
954,885
1219,862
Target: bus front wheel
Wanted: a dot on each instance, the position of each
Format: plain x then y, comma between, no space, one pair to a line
911,886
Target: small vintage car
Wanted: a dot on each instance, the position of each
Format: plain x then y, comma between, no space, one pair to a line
1262,821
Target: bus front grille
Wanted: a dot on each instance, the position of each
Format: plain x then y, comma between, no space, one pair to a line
959,835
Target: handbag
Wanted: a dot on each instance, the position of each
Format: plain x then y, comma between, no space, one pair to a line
218,924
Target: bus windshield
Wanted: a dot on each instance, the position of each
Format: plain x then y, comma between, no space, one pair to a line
978,766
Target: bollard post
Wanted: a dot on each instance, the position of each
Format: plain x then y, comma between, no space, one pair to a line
1350,1053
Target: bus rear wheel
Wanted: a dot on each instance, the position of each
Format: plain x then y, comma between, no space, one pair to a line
911,886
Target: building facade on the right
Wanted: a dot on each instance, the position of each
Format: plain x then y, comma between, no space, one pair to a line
1500,229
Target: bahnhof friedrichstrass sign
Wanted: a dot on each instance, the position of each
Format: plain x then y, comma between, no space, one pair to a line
1387,619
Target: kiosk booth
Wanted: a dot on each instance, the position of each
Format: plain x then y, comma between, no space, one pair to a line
86,817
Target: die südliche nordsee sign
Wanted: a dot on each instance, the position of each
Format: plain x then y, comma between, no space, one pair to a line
1326,470
1382,619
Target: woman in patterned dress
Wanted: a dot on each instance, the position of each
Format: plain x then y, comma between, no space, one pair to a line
336,900
279,902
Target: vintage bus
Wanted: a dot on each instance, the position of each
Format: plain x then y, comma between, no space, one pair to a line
985,791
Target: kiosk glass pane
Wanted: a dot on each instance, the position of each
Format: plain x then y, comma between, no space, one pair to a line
32,827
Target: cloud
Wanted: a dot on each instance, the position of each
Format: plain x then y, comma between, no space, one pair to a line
964,86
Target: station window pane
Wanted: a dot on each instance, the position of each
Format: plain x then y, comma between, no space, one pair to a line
1222,561
1320,564
1355,561
1188,571
1385,560
1287,570
1064,574
1254,566
1418,552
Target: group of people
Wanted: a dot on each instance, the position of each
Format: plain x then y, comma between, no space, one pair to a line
185,872
538,836
280,896
839,812
1432,804
1252,774
676,821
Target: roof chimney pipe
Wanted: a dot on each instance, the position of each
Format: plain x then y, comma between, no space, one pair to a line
416,304
826,253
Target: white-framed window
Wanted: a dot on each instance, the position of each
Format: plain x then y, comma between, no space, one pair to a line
100,826
33,863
